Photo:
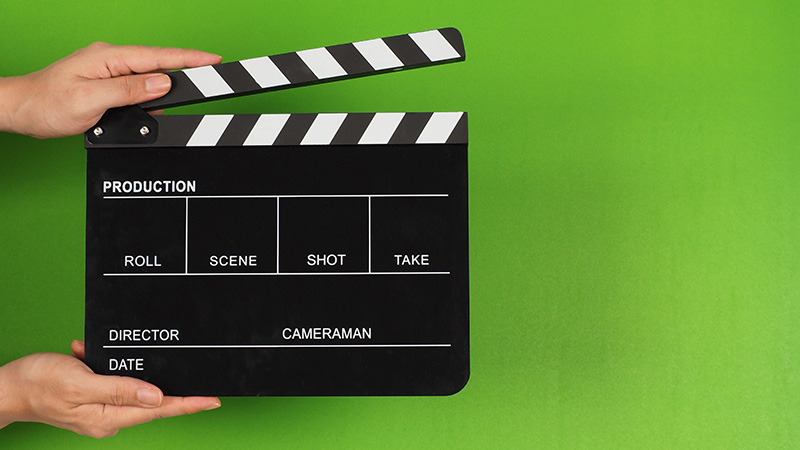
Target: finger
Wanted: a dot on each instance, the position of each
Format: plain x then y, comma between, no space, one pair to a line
176,406
121,391
127,59
79,348
127,90
172,406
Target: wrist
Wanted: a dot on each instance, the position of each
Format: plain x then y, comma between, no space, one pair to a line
10,405
12,92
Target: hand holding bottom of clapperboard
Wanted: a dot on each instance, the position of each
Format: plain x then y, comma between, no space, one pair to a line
62,391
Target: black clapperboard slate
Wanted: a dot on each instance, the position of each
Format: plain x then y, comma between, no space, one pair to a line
282,254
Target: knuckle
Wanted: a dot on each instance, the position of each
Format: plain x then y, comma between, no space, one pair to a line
117,395
127,87
99,45
94,47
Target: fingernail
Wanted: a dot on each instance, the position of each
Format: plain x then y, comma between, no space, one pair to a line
157,83
149,397
214,406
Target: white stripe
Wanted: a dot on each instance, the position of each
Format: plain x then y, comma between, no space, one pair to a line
209,131
439,127
266,129
265,72
208,81
324,128
434,45
321,63
381,128
378,54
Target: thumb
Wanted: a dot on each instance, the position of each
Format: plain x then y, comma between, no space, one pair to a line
123,391
79,348
130,89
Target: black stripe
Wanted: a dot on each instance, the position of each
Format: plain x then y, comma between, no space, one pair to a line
351,60
352,128
460,132
175,131
295,70
238,129
237,77
453,36
182,90
295,129
410,128
406,50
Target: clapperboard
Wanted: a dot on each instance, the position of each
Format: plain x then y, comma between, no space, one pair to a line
282,254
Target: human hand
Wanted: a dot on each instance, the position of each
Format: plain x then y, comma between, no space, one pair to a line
62,391
70,95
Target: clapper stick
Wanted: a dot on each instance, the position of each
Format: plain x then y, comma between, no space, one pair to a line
131,126
304,129
319,65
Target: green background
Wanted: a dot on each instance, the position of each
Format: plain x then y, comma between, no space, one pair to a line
633,217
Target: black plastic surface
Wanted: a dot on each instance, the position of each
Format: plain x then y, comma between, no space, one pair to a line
281,204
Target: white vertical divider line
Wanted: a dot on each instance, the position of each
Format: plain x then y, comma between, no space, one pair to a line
186,242
369,232
278,234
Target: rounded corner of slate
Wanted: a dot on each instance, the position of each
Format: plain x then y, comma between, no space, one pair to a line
454,37
459,383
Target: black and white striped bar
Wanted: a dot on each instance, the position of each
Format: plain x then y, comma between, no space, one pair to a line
234,130
306,67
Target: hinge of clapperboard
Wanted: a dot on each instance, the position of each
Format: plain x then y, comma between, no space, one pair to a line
132,126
